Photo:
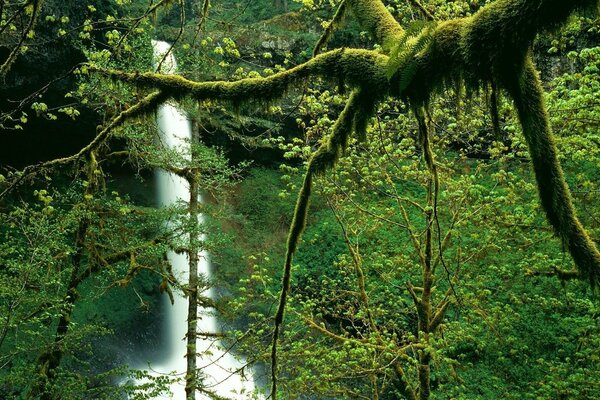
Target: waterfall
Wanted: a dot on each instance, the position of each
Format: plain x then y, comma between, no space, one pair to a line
218,367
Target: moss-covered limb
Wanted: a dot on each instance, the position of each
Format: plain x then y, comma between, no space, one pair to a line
494,101
424,305
527,94
146,105
353,118
298,224
424,124
333,24
16,50
354,67
403,385
490,45
505,28
375,18
324,158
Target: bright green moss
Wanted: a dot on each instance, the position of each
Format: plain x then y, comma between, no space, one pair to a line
374,18
488,48
554,193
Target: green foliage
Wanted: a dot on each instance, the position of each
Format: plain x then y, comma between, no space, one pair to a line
403,59
509,321
511,332
39,249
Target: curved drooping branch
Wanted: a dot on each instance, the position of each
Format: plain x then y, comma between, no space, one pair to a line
144,106
554,193
351,119
353,67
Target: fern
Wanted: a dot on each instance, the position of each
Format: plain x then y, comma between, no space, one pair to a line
402,60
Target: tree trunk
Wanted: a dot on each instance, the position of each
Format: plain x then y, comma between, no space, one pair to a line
191,380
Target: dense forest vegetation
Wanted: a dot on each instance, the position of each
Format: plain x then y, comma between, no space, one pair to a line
400,197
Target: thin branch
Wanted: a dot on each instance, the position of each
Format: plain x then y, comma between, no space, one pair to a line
334,23
4,68
424,11
146,105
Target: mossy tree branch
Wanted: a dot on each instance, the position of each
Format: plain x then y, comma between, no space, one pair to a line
490,47
333,24
554,193
354,67
374,18
324,158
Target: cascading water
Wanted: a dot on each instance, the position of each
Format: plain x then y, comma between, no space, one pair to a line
218,366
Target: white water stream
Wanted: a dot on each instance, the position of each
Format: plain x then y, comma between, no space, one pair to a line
217,365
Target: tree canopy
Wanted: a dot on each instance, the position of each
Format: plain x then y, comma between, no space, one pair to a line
416,65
